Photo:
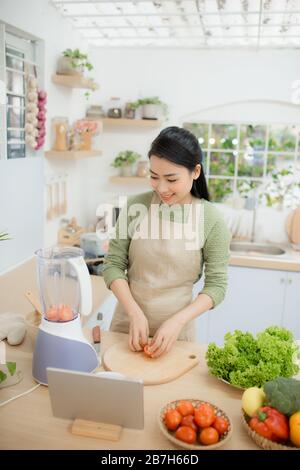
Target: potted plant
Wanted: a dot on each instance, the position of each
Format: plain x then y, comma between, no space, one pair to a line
129,111
4,236
282,190
152,107
124,161
73,62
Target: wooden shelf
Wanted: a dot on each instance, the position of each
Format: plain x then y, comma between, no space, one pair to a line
72,154
129,179
122,122
73,81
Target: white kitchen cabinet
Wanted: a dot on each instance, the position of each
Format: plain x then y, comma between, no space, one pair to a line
103,316
202,321
255,299
291,313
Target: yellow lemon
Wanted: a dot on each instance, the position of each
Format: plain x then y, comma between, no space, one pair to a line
252,399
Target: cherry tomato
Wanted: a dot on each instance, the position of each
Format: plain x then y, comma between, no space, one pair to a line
221,424
189,421
186,434
65,313
172,419
205,415
146,350
52,314
185,408
209,436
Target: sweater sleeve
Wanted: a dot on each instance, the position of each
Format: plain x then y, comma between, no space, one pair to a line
216,259
116,260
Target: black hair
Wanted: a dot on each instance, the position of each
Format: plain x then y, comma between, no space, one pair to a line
180,146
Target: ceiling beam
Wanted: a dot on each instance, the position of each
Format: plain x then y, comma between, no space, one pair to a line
181,26
259,22
143,15
201,19
190,37
82,2
201,46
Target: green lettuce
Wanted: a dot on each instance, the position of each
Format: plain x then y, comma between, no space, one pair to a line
248,361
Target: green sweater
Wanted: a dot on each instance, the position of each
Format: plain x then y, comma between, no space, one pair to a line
215,250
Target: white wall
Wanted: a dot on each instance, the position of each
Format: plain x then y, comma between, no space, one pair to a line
41,19
188,80
257,84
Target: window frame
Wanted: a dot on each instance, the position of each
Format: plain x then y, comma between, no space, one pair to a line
235,178
33,60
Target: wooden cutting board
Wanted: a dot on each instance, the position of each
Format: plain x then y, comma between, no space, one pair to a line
178,361
293,226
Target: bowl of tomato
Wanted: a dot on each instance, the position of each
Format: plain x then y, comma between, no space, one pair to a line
195,424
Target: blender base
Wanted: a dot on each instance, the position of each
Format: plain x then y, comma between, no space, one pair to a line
62,353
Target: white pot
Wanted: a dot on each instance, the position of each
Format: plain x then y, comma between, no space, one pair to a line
65,67
126,170
150,111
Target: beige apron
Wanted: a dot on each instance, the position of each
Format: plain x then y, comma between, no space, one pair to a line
161,272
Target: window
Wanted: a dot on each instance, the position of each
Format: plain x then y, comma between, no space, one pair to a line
17,62
239,157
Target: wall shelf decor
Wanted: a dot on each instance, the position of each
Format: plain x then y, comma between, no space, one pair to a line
136,123
129,179
72,154
73,81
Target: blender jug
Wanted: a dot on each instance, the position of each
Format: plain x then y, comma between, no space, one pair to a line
66,294
64,283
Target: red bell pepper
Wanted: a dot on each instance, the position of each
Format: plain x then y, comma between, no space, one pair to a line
270,423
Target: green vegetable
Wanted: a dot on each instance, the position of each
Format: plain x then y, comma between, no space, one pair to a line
247,361
283,394
12,367
2,376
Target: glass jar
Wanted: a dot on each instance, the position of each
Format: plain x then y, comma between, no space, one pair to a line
129,111
114,108
60,127
142,168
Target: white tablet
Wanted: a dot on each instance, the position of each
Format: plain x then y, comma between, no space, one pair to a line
104,399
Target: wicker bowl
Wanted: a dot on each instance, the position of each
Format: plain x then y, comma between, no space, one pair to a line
224,438
263,442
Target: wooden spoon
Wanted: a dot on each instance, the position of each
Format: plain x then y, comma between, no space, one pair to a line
34,301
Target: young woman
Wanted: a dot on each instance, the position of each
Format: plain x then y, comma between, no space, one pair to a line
151,266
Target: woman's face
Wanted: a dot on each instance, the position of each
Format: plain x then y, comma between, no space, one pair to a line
172,183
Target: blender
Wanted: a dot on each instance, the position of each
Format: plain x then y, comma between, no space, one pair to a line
66,294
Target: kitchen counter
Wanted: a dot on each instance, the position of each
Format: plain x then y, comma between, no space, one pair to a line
27,422
289,261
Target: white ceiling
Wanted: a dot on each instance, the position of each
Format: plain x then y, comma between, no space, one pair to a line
188,23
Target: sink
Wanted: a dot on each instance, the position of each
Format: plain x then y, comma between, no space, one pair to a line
255,249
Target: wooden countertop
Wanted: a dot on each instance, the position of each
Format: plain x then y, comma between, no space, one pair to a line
290,261
27,422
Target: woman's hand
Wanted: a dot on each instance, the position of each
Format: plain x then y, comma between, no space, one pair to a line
165,337
138,331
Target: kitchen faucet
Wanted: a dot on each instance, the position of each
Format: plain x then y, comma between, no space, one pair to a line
253,225
251,204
